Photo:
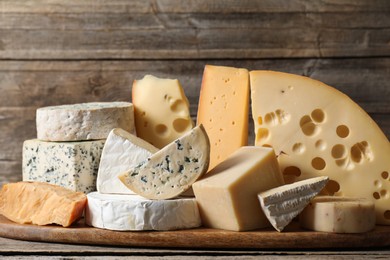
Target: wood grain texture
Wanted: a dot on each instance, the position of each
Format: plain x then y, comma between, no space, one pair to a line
197,29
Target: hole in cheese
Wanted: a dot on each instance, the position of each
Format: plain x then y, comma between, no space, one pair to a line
377,184
320,145
262,135
383,193
376,195
298,148
342,131
292,170
318,115
339,151
385,175
260,120
161,129
332,187
307,126
360,151
318,163
178,106
180,124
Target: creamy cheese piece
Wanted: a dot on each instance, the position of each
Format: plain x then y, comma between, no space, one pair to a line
121,152
85,121
282,204
339,215
223,110
172,170
73,165
41,203
227,195
318,131
162,112
132,213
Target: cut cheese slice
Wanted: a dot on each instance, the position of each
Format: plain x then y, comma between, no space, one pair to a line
85,121
41,203
172,170
121,152
223,110
227,195
318,131
132,213
339,215
282,204
162,112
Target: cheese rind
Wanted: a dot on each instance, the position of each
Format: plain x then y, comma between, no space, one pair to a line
227,195
319,131
223,110
132,213
73,165
121,152
41,203
339,215
85,121
162,112
172,170
282,204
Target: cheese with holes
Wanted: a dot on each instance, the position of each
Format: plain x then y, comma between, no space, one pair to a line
41,203
319,131
121,152
73,165
223,110
85,121
282,204
162,112
173,169
339,215
227,195
132,213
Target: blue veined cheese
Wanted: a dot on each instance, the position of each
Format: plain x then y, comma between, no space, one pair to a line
132,213
121,152
172,170
73,165
85,121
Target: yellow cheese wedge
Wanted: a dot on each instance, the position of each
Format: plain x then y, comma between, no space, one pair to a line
318,131
339,215
223,110
162,111
227,195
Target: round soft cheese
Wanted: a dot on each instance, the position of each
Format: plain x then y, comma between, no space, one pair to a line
85,121
133,212
339,215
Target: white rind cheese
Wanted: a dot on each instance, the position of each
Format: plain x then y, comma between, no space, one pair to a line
86,121
282,204
173,169
132,213
339,215
121,152
73,165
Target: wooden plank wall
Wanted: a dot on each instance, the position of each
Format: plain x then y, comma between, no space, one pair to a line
58,52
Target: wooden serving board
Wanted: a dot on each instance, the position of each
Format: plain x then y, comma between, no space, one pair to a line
292,238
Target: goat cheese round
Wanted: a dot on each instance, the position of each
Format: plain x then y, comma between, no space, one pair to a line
85,121
133,212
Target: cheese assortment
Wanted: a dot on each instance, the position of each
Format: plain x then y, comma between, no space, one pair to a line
227,195
162,112
282,204
73,165
121,152
339,215
318,131
135,213
223,110
171,171
85,121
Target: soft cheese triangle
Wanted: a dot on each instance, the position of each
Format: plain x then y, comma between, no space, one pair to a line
121,152
132,213
282,204
172,170
319,131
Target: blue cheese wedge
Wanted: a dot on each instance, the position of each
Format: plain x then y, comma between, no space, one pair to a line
134,213
85,121
173,169
282,204
73,165
121,152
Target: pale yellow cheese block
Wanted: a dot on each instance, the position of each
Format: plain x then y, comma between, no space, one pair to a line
162,112
339,215
318,131
227,195
223,110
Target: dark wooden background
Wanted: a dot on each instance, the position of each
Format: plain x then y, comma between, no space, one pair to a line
81,51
